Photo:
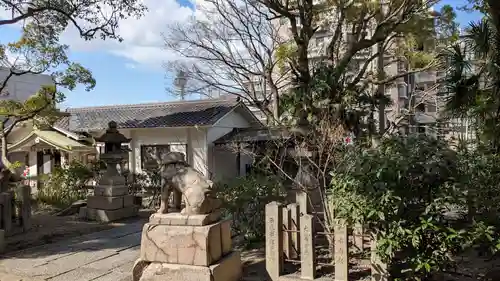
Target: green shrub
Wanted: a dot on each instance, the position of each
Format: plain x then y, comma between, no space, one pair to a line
244,200
148,182
480,177
65,185
403,191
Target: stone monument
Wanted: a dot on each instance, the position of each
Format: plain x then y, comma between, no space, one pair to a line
194,244
111,200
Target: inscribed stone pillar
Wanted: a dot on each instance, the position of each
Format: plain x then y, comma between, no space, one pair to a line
378,268
307,249
341,251
358,236
274,245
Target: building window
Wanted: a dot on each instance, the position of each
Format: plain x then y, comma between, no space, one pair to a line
153,153
421,107
402,91
320,41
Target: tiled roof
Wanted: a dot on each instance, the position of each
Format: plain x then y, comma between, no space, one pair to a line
255,135
149,115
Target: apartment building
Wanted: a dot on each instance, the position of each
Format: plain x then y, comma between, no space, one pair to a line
21,87
415,100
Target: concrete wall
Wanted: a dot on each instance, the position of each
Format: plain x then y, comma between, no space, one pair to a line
21,87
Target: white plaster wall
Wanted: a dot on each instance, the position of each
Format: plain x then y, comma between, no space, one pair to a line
21,87
177,138
199,152
222,160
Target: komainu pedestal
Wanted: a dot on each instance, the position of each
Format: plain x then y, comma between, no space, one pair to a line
176,247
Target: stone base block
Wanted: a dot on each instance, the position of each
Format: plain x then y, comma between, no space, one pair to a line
179,219
111,180
128,200
189,245
82,213
110,215
102,190
227,269
105,202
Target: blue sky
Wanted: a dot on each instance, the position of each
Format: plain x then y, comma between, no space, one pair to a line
132,72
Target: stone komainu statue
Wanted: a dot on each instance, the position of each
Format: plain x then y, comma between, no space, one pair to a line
195,188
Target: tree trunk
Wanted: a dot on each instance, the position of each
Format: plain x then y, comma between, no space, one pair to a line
276,109
380,88
494,8
5,161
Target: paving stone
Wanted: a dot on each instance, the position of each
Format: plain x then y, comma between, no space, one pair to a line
105,255
66,264
125,257
81,273
114,276
109,215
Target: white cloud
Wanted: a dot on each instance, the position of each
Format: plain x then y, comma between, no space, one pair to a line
143,43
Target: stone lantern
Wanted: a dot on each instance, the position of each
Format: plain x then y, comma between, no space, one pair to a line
113,155
111,200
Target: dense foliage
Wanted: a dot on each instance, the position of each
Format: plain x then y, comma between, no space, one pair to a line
244,200
409,192
65,185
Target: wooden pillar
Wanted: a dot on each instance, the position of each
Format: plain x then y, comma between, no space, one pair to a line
238,159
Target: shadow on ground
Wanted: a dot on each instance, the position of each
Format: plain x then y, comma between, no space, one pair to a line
57,235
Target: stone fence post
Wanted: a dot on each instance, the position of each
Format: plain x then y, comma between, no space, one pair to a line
307,249
341,250
378,268
23,194
274,240
6,206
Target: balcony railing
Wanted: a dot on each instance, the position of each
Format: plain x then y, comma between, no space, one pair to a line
425,77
